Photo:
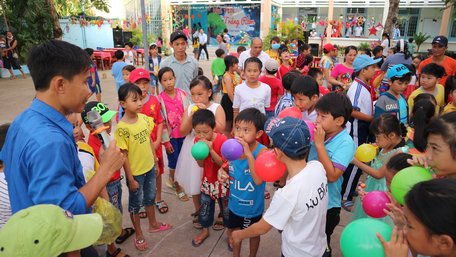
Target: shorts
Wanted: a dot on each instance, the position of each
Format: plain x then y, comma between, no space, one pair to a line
114,189
207,210
177,145
227,106
145,195
235,221
10,62
160,162
96,89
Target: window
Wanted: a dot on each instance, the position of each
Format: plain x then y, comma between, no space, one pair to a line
408,21
453,28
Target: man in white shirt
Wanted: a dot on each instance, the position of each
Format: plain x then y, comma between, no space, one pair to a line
256,50
202,37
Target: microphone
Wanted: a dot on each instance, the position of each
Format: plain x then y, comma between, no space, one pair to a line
96,122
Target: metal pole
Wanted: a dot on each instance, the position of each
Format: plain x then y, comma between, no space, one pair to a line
144,31
84,37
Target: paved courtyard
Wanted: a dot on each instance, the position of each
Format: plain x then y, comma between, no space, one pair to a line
16,95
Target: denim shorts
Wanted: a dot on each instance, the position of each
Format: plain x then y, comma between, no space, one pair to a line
177,145
114,189
145,195
207,209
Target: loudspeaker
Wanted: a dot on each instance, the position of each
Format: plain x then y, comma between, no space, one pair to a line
127,35
117,37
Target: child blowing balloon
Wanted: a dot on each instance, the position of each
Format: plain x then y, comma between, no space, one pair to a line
188,173
299,208
388,136
430,211
440,154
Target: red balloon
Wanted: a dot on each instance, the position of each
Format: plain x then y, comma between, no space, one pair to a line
374,202
293,112
268,167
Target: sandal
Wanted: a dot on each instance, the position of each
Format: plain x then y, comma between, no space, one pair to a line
182,196
115,253
218,225
127,232
195,221
347,205
162,207
267,195
169,183
140,244
195,244
142,213
163,227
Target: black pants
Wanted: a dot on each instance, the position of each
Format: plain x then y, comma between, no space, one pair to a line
360,134
332,220
203,47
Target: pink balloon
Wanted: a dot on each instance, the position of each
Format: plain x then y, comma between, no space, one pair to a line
374,202
311,127
293,112
268,167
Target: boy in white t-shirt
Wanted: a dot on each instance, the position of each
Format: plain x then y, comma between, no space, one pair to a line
299,208
306,93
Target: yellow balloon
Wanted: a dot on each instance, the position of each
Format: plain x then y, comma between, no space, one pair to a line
195,108
366,152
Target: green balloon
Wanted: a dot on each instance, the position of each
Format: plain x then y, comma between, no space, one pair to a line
405,179
359,239
200,151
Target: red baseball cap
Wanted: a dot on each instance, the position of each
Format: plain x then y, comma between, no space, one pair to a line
329,47
139,73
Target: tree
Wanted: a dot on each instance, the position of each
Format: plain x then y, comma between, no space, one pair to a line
391,19
419,39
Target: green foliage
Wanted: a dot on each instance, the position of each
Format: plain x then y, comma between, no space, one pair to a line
419,39
267,39
66,8
363,46
30,22
290,30
137,38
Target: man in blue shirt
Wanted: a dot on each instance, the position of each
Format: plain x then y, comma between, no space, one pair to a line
40,155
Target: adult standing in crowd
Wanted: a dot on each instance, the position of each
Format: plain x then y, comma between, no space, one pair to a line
202,37
40,154
185,67
439,46
11,57
222,44
256,50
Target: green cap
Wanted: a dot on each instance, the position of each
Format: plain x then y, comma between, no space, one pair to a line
48,230
105,113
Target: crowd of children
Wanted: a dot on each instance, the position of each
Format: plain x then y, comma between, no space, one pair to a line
317,149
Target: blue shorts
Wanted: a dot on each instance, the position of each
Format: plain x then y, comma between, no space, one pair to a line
96,89
145,195
177,145
114,189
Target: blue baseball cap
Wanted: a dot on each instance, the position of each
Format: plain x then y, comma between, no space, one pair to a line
289,134
397,71
362,61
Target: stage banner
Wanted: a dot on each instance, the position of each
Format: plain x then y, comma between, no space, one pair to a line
241,20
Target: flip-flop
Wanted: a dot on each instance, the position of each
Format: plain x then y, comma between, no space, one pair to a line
140,244
170,184
128,233
194,244
115,253
163,227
